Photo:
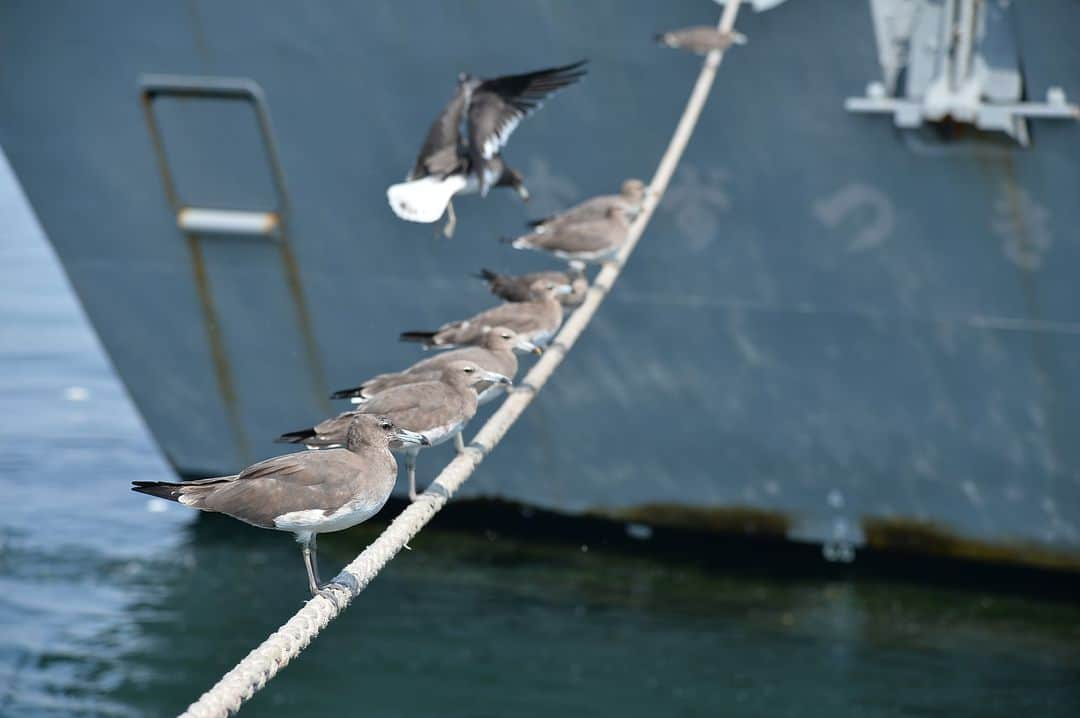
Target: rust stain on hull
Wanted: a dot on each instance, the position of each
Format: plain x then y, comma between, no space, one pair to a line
320,390
911,536
731,519
216,343
887,535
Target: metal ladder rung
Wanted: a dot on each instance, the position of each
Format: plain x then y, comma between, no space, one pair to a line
227,221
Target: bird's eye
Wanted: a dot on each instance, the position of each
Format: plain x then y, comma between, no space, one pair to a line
505,336
469,370
386,425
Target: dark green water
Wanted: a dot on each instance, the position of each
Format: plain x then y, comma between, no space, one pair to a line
468,626
112,605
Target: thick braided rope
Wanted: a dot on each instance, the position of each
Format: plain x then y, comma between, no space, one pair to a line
263,663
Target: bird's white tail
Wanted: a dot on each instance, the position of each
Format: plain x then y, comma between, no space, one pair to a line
425,199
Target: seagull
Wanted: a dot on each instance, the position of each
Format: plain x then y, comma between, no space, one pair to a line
631,195
461,154
596,240
519,288
436,409
307,493
701,39
537,320
495,353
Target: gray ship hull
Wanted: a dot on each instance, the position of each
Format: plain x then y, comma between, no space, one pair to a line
834,330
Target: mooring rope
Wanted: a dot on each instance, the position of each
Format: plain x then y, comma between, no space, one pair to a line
263,663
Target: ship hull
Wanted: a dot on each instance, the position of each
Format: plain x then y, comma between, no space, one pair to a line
833,330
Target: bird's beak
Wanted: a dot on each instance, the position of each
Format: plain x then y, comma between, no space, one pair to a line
523,192
494,378
525,345
404,437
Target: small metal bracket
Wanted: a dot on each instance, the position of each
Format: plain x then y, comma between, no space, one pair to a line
985,116
216,220
957,60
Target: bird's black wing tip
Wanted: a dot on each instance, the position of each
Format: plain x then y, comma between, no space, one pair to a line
295,437
416,336
570,73
160,489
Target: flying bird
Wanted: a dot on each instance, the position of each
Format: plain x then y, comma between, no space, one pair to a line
462,151
307,493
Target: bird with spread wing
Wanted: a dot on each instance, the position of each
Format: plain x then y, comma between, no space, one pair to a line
462,153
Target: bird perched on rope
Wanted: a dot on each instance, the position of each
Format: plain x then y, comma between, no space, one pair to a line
462,151
536,320
437,410
519,288
595,241
307,493
631,195
701,39
495,353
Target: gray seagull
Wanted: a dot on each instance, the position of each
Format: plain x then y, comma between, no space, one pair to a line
537,320
596,240
461,153
437,410
307,493
630,197
495,353
701,39
519,288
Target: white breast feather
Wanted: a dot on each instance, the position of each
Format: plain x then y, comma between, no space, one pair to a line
441,433
425,199
356,511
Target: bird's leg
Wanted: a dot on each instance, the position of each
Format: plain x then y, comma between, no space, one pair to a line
315,559
451,220
410,469
459,443
307,547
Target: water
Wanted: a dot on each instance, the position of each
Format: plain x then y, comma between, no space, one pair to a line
115,605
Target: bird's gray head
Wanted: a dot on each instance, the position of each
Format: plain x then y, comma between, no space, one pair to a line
503,339
379,431
469,82
466,373
633,190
